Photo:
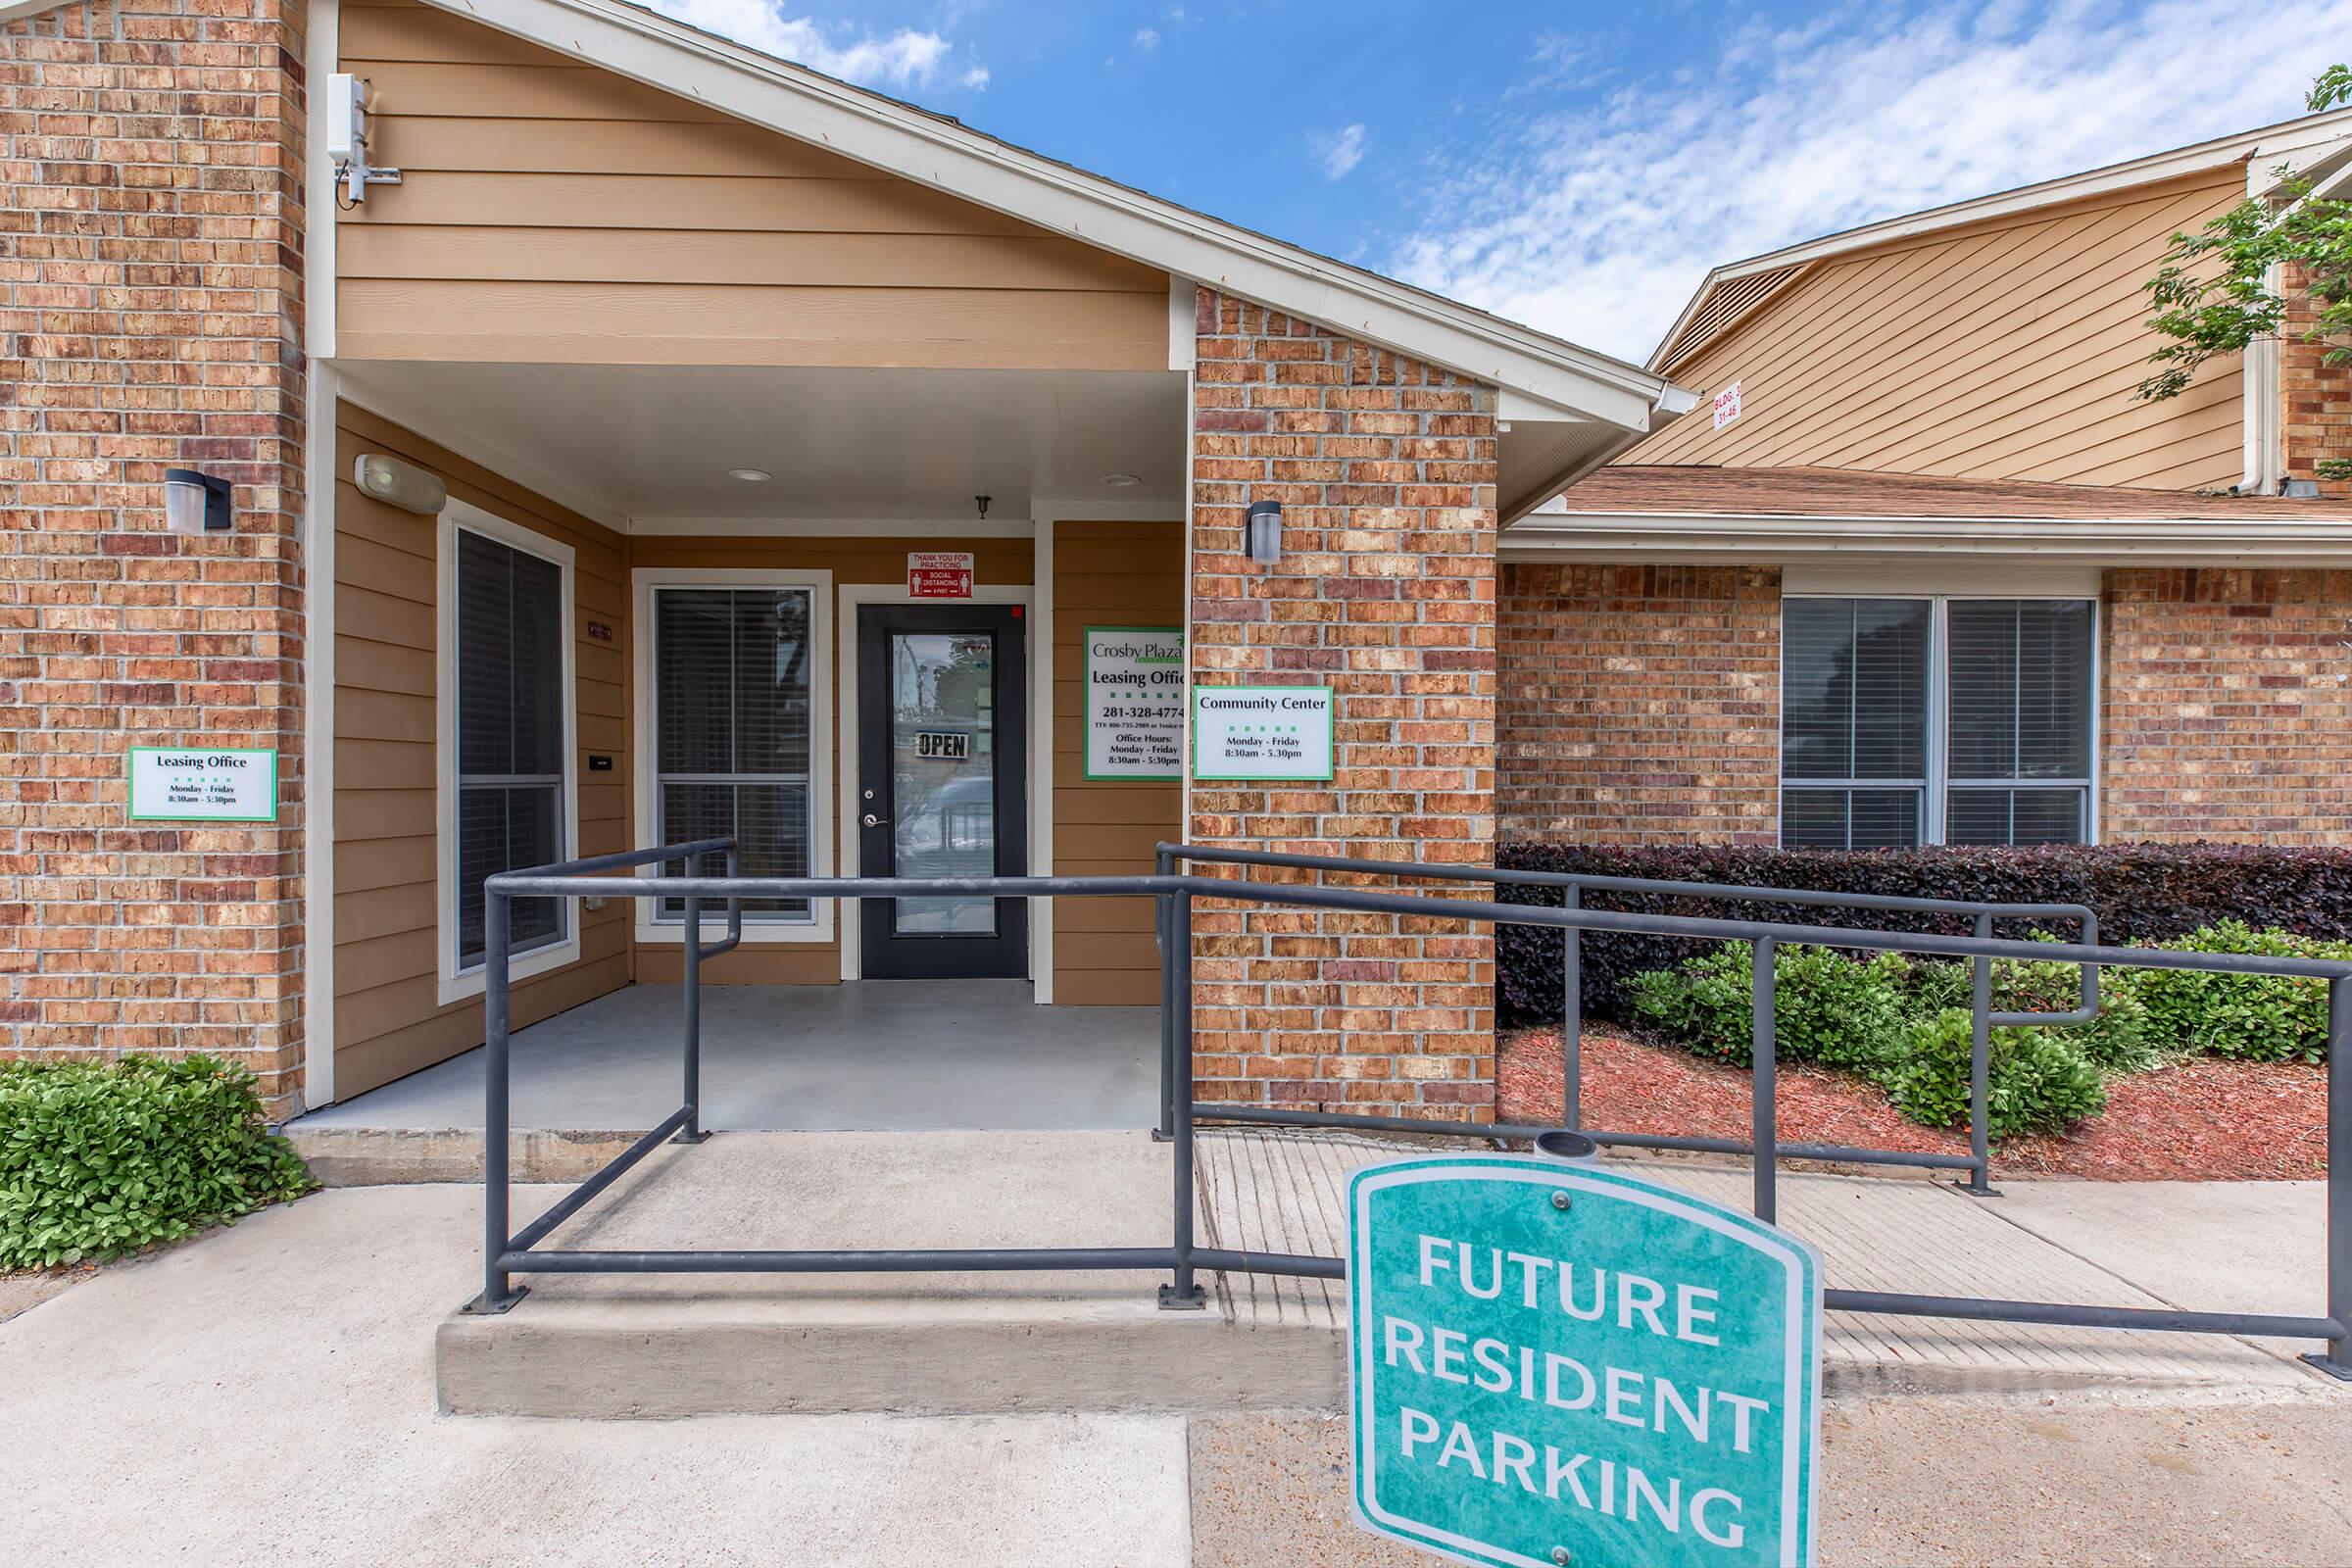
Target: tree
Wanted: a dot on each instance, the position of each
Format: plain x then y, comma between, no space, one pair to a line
2215,292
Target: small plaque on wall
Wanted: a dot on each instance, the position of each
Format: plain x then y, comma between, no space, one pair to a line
1275,733
203,784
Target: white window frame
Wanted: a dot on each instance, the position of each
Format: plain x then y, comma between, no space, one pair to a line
457,982
645,581
1937,780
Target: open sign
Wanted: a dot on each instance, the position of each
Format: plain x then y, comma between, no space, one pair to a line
945,746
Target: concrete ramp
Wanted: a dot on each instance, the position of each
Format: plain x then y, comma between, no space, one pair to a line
672,1344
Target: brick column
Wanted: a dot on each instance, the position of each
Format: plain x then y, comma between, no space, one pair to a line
1385,467
2317,416
150,307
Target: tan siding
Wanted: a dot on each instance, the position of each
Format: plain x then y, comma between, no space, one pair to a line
996,561
388,1017
2009,350
1107,575
554,212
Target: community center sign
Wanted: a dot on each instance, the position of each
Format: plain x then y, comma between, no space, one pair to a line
1560,1364
1278,733
1134,703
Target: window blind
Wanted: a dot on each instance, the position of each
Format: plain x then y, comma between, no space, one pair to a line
509,734
732,742
2020,711
1855,708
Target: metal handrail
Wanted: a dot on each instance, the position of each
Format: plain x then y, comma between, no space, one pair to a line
1574,884
507,1254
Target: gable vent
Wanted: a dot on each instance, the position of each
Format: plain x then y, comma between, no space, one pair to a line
1724,306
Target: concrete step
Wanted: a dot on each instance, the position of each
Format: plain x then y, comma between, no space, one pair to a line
673,1345
668,1345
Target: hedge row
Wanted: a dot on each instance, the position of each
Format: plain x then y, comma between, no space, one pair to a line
2141,893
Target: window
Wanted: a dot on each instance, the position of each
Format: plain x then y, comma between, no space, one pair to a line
1917,720
734,677
506,689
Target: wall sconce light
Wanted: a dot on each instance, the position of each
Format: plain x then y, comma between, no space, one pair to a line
1263,537
196,503
399,484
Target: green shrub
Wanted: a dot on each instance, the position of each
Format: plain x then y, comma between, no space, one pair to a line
2115,1040
1830,1008
2038,1080
2255,1017
101,1159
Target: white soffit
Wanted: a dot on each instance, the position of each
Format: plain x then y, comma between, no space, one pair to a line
647,449
936,152
1718,538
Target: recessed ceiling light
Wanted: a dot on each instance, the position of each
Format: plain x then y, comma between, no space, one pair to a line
750,476
1122,481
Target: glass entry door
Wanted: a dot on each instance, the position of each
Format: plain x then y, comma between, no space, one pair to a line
942,788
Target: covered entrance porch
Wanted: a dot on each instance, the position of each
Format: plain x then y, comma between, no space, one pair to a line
658,604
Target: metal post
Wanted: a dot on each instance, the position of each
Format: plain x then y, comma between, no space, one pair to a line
690,953
2337,1359
1766,1136
499,1295
1979,1070
1182,1293
1163,921
1572,1019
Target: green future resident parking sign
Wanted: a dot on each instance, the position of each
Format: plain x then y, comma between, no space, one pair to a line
1555,1363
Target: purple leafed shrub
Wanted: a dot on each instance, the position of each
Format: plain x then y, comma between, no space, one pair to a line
2141,892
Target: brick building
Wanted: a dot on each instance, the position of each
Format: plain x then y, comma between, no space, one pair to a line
575,481
1931,572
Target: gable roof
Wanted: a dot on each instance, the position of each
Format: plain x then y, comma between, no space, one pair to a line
1547,374
1731,291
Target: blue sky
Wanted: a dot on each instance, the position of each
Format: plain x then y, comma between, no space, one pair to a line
1575,165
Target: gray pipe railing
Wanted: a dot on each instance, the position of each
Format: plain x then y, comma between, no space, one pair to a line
1572,886
507,1254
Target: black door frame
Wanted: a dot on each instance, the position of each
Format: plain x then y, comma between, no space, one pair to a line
883,954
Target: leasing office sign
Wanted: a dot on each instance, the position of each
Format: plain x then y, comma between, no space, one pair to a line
203,784
1561,1364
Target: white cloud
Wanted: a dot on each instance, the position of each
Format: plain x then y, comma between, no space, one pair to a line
1147,39
1597,221
1337,152
903,57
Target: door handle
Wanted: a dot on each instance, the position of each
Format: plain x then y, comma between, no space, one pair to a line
871,820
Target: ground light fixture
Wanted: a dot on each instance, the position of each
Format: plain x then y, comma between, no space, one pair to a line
399,484
196,503
1263,537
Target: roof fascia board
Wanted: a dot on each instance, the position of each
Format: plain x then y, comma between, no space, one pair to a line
932,151
1721,537
18,10
2269,141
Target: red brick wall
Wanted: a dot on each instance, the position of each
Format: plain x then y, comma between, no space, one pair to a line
2318,396
150,307
1385,592
2228,705
1641,705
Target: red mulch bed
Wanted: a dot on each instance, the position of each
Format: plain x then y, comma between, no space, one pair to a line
2204,1120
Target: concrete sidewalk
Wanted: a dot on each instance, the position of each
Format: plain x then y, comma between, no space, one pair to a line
265,1394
